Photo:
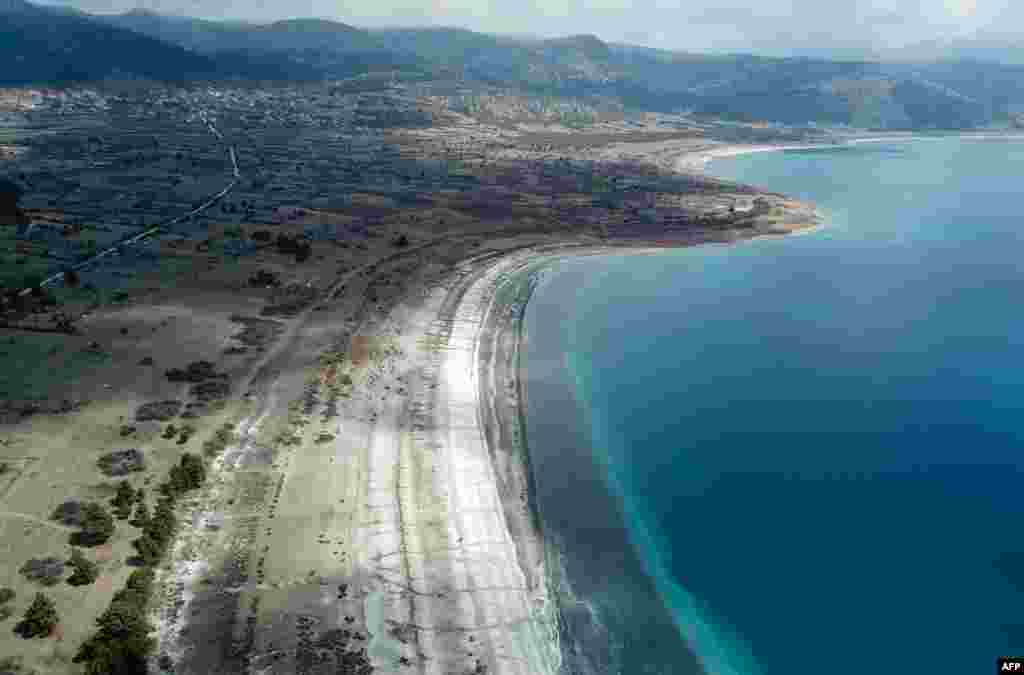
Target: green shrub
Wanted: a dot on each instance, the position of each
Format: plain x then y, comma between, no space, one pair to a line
85,570
40,618
97,526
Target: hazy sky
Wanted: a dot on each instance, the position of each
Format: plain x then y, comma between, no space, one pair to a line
737,25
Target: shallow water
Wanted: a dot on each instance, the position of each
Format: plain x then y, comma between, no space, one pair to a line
796,451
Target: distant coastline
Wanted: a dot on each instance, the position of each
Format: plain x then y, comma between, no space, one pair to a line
698,161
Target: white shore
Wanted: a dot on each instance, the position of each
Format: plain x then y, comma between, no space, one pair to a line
697,162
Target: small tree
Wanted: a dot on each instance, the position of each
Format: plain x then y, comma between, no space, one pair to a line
85,570
195,470
97,526
142,517
163,523
40,618
122,643
123,500
149,549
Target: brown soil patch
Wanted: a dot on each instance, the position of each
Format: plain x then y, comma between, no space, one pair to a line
105,584
360,351
104,553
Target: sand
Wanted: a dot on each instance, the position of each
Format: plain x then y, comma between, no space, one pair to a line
374,509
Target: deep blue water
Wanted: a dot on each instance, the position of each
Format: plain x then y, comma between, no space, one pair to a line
797,452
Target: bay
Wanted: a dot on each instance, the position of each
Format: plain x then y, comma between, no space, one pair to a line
786,453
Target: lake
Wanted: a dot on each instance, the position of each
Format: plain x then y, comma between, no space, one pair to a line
795,455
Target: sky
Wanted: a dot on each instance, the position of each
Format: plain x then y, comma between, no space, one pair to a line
764,26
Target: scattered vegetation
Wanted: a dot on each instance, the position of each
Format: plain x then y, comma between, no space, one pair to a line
187,475
123,501
141,518
297,246
222,438
46,571
122,642
96,526
264,278
6,595
212,390
84,572
158,410
197,371
256,332
69,513
185,433
40,618
122,462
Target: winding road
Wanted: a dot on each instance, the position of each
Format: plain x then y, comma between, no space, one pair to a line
134,239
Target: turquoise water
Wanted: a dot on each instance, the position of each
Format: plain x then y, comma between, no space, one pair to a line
800,455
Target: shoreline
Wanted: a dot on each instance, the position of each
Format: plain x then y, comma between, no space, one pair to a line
406,536
698,161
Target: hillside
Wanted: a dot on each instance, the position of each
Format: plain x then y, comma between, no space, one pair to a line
214,36
62,46
326,48
951,94
43,45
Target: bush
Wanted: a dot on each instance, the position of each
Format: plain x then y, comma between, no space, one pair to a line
46,571
142,517
148,549
160,410
85,570
123,500
122,462
189,474
163,523
97,526
264,278
197,371
122,643
40,618
185,433
210,391
69,513
223,437
6,595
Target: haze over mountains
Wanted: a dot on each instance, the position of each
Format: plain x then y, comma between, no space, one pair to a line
928,86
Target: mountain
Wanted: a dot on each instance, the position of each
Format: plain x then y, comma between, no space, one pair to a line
738,86
44,45
37,44
989,48
214,36
329,48
48,45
